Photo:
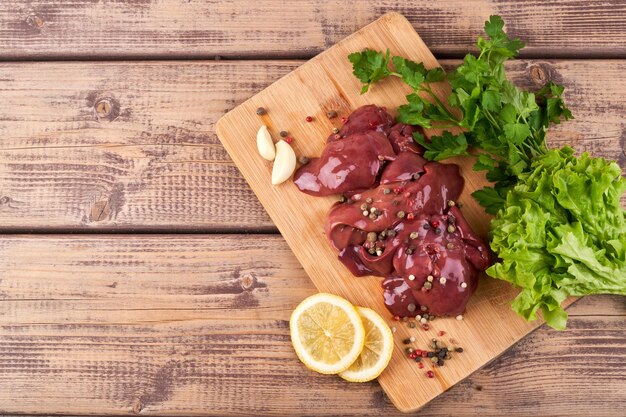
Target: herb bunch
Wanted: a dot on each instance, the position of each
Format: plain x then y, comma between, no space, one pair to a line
505,125
560,228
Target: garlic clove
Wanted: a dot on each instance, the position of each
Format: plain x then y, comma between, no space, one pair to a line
284,164
265,144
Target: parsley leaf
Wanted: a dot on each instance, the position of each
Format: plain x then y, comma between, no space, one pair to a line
369,67
490,198
442,147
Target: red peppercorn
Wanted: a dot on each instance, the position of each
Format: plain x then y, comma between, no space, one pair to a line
424,354
421,365
425,326
289,139
309,119
430,374
407,194
396,318
441,333
435,224
344,119
397,190
410,216
413,355
418,352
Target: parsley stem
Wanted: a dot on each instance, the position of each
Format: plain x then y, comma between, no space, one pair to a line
441,106
492,120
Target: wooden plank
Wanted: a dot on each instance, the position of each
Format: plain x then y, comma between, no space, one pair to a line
293,28
326,83
197,324
157,164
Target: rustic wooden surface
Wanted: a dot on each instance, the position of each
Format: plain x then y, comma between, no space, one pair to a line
126,324
289,28
154,163
183,324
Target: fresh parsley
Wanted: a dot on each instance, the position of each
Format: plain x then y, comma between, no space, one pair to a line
504,125
559,228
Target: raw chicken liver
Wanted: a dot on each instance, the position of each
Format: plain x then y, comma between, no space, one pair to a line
400,221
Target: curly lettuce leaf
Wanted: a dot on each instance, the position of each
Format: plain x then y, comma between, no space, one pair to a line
562,232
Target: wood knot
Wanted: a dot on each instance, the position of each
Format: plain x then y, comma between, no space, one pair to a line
537,74
137,407
35,21
107,108
5,200
100,211
248,281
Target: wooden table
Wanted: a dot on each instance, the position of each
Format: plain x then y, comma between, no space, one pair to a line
151,281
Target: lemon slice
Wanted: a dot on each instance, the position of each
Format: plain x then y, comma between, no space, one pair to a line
377,351
327,333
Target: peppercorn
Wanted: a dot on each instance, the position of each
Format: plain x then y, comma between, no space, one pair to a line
428,285
459,350
335,130
289,139
418,359
284,134
396,318
411,325
430,374
371,236
304,160
451,203
369,200
363,206
401,214
386,191
410,216
421,365
440,362
426,226
430,354
413,235
331,114
408,350
437,231
260,111
391,233
434,359
416,176
411,307
451,229
373,216
309,119
464,285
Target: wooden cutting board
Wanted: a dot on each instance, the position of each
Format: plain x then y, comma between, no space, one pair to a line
326,83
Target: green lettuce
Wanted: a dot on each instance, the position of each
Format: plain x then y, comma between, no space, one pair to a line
562,232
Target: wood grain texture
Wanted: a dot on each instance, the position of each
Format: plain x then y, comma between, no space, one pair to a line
198,325
154,163
293,28
326,83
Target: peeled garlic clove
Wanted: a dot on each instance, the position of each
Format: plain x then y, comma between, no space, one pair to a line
265,144
284,164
